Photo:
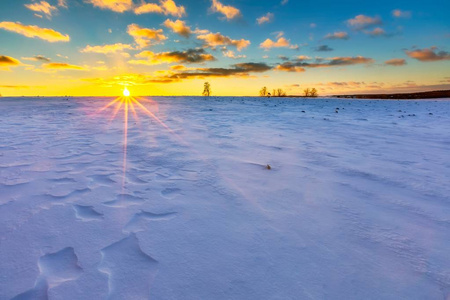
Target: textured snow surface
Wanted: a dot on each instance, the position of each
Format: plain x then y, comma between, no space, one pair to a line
356,204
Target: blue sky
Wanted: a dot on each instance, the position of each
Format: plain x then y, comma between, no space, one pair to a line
337,47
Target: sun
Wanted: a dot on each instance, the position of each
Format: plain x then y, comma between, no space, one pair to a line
126,92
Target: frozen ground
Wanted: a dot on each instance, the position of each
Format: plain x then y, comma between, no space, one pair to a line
356,204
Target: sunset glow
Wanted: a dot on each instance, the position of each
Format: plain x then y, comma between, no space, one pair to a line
171,47
126,92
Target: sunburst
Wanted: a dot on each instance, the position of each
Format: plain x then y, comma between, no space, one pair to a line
127,103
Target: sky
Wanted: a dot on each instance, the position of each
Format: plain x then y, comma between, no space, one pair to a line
171,47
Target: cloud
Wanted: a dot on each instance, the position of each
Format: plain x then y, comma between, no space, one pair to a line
236,70
323,48
170,8
119,6
179,73
63,66
14,86
341,35
128,80
146,8
395,62
302,57
179,27
106,49
428,55
63,3
229,12
42,7
6,62
280,43
167,7
296,66
377,32
231,54
145,36
401,13
287,67
33,31
284,2
362,22
217,39
188,56
40,58
267,18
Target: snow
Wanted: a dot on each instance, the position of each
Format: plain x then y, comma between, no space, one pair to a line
355,205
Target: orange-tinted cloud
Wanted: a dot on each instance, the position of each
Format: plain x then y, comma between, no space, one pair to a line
63,3
395,62
170,8
146,8
289,68
6,62
341,35
362,22
427,55
33,31
167,7
231,54
282,42
39,58
188,56
42,7
179,27
229,12
63,66
130,79
107,49
401,13
119,6
267,18
15,86
145,36
217,39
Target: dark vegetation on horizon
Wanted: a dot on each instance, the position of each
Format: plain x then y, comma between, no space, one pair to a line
264,92
419,95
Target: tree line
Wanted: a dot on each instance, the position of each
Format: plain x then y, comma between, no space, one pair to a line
264,92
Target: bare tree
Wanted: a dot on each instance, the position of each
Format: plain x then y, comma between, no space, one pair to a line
313,92
207,89
307,92
263,92
281,93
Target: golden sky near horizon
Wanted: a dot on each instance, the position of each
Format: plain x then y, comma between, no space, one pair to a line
167,47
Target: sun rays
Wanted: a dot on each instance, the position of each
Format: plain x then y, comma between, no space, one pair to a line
122,106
